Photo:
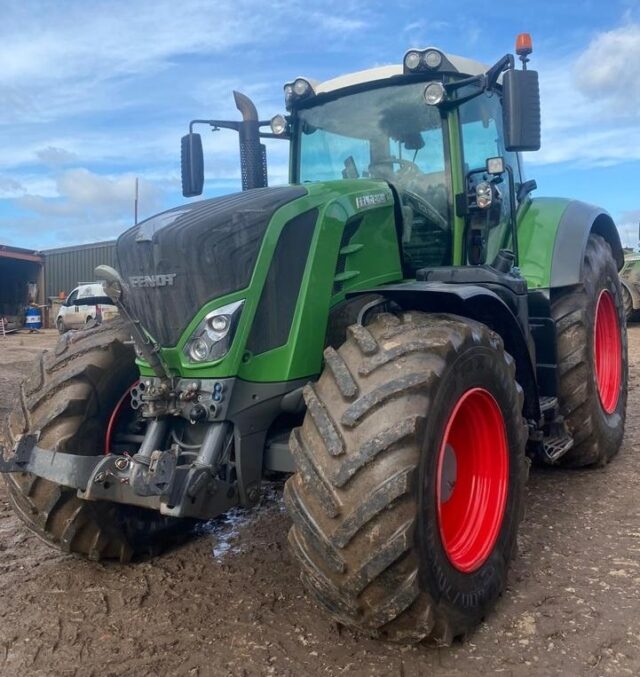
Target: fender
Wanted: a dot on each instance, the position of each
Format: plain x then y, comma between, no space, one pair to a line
477,303
553,234
633,293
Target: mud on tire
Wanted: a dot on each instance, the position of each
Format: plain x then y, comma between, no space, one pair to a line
68,398
362,503
597,434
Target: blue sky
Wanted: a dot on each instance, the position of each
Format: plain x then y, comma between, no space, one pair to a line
93,94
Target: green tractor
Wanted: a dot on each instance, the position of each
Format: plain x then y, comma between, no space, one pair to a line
630,284
402,329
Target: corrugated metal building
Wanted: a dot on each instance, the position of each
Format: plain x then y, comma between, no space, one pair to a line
66,267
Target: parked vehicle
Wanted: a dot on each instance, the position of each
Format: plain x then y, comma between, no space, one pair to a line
630,280
85,303
403,329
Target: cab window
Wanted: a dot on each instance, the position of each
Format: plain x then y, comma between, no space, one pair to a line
482,138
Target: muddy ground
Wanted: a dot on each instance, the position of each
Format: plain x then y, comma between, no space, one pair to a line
230,603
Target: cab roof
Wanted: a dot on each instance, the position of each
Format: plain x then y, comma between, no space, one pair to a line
463,65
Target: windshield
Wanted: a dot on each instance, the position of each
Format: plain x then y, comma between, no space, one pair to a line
391,134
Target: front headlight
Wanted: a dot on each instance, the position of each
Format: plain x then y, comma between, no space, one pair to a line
213,336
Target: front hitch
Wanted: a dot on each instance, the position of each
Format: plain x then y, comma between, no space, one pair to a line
152,478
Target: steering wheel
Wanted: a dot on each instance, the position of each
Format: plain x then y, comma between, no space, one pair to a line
424,207
407,168
408,171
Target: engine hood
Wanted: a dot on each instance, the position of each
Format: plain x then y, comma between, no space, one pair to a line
176,261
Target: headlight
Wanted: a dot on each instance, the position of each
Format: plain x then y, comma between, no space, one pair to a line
484,195
213,336
199,350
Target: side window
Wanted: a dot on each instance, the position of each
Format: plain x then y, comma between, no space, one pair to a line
73,297
482,137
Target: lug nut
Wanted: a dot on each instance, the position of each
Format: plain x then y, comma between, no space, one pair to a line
100,477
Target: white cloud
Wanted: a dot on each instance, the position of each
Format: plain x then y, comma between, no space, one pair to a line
55,157
590,103
607,68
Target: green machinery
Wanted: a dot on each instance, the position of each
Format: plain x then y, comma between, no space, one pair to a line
630,282
401,329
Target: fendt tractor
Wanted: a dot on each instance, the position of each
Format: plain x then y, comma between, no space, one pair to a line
403,328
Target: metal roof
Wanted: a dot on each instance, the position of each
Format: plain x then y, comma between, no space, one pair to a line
19,254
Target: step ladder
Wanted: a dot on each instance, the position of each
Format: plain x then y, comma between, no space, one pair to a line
557,440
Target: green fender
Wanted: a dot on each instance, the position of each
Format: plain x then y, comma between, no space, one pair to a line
552,238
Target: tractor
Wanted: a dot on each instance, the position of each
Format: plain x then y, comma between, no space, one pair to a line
630,283
401,330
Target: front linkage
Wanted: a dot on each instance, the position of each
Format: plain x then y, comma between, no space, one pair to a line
201,481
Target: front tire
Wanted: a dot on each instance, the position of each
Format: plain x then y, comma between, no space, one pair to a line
411,472
591,340
69,400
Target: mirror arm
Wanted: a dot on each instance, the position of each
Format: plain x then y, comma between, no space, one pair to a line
220,124
514,224
507,62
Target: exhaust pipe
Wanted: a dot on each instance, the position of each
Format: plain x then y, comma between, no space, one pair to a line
253,157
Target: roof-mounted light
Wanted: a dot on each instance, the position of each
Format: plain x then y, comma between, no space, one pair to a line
420,60
296,90
524,44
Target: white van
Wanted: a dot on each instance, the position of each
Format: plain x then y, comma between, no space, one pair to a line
85,303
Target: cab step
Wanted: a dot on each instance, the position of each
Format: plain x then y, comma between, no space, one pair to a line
556,447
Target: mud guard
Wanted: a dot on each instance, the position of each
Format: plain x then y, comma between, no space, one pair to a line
578,221
477,303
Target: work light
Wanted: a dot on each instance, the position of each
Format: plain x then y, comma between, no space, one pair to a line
278,124
434,93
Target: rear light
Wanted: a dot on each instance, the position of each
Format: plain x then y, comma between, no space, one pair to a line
98,312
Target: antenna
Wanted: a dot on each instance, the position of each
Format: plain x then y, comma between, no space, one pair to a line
135,204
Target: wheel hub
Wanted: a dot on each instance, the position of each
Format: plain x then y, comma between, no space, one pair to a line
472,480
607,348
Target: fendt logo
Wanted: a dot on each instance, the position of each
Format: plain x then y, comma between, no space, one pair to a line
139,281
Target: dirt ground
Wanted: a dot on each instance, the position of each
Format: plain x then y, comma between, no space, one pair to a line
230,602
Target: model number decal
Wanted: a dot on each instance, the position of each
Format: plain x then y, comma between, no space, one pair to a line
371,200
166,280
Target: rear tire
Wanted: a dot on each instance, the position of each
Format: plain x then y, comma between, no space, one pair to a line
593,407
370,530
68,399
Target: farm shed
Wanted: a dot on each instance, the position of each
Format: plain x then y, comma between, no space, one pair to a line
66,267
21,281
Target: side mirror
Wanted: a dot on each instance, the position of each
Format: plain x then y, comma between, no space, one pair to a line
521,110
192,165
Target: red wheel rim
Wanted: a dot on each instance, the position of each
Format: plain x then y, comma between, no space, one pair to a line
472,480
115,416
607,348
